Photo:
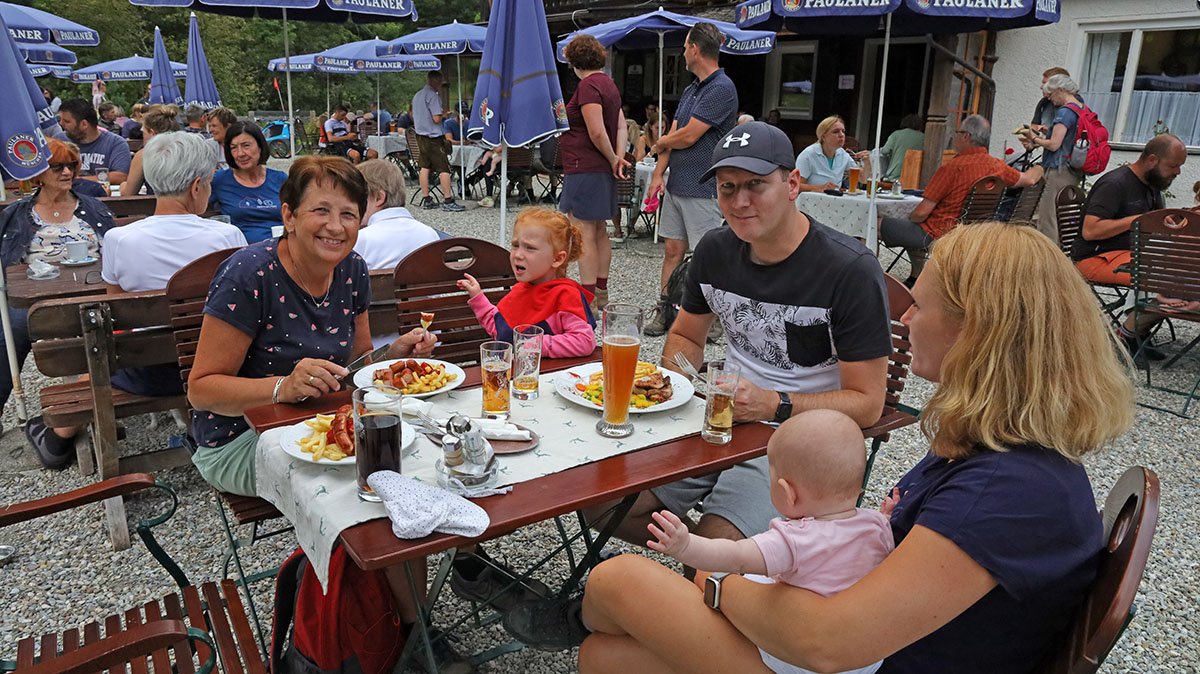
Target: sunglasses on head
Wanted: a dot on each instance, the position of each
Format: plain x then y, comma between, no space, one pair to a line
58,167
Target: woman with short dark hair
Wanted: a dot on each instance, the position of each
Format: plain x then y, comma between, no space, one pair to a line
248,192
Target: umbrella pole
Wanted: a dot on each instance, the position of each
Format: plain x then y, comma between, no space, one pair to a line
327,93
378,108
661,130
462,131
503,188
14,367
872,219
287,61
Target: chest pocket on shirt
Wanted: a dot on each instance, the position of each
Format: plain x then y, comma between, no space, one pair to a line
808,345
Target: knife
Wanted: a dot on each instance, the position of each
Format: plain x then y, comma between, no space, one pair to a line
361,362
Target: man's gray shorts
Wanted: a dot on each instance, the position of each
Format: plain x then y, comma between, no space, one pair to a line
688,218
741,494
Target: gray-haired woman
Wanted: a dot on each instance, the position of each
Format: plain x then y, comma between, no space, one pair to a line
1063,93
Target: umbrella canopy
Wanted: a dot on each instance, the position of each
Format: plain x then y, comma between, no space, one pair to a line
129,68
163,88
24,150
299,64
61,72
26,24
643,32
909,17
452,38
46,52
357,57
200,87
306,10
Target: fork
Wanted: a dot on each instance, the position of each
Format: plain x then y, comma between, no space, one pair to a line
429,423
688,369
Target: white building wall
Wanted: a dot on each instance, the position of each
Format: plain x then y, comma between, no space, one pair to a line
1025,53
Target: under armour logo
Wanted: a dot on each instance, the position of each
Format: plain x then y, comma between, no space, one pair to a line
743,140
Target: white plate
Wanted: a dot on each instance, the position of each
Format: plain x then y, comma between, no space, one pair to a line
289,442
564,384
892,197
362,378
78,263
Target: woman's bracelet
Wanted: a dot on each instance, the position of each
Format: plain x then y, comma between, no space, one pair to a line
275,393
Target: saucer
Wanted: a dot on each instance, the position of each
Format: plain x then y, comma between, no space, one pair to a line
52,274
78,263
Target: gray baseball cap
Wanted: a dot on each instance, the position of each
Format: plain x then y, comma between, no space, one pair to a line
756,147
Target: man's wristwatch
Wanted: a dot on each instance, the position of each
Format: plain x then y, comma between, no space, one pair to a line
784,411
712,590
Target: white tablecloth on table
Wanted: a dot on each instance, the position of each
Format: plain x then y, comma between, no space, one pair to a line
322,500
848,214
385,145
468,153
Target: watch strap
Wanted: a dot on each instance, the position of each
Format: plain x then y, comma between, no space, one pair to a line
784,411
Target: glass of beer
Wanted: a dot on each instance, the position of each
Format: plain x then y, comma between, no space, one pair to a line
377,436
495,362
855,170
622,337
527,361
718,410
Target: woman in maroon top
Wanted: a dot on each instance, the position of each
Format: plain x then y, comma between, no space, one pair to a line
593,159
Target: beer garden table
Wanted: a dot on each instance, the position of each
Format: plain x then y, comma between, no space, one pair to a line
387,144
23,291
848,213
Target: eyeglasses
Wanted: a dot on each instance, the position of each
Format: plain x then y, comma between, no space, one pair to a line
58,167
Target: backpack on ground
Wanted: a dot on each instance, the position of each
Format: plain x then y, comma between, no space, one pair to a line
354,628
1091,151
675,290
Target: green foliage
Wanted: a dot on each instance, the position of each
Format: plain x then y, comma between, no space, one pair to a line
238,50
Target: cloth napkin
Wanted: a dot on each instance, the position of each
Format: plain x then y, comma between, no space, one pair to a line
417,509
414,406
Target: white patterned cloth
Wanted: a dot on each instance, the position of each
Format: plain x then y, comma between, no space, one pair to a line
849,213
387,144
417,509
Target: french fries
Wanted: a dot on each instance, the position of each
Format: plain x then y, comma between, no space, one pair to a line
421,377
317,444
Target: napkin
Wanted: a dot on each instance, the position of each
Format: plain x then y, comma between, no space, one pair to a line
417,510
493,429
39,267
415,406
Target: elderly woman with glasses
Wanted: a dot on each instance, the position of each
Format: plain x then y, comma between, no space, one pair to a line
38,227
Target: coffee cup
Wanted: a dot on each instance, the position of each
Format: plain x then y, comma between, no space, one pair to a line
77,251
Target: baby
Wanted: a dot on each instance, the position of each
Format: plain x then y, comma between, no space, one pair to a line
823,543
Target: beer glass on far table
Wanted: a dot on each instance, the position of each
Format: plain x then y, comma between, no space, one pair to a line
718,410
377,436
622,337
855,171
527,361
495,364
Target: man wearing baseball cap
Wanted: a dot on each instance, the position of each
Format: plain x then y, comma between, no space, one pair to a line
805,315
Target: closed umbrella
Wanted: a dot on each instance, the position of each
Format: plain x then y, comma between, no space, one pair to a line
163,88
129,68
26,24
25,154
518,100
200,88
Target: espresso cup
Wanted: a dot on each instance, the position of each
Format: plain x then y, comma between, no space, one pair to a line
77,251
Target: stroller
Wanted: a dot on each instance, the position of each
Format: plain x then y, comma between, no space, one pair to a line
279,136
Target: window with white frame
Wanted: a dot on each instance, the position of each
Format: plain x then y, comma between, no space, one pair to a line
791,70
1142,82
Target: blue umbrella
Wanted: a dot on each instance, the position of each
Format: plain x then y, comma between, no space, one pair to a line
298,64
129,68
357,57
163,87
38,70
518,100
46,52
26,24
200,87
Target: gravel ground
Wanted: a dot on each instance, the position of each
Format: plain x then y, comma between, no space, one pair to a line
66,573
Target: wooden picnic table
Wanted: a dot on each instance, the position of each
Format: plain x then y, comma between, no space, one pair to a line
24,292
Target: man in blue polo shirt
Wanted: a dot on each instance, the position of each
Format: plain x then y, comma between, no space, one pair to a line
707,111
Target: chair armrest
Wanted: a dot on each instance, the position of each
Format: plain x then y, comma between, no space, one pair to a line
117,486
114,651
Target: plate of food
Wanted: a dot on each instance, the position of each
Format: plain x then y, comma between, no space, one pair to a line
328,439
415,377
654,389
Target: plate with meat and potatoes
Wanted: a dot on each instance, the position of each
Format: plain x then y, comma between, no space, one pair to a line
654,389
415,377
328,439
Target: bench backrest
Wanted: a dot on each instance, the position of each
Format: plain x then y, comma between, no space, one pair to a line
186,293
133,327
1068,207
1027,202
1166,248
899,300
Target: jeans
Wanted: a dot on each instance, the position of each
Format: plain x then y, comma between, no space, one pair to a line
20,329
910,236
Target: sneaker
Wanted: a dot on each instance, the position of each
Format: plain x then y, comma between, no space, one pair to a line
487,202
429,203
600,301
452,206
1148,353
54,452
495,587
548,625
447,660
716,332
658,323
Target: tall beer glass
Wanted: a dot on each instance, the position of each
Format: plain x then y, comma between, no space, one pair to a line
855,171
622,337
495,361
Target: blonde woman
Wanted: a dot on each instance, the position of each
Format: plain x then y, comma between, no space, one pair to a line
823,163
996,528
157,119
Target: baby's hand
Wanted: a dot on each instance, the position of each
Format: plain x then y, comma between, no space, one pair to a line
469,284
672,539
890,502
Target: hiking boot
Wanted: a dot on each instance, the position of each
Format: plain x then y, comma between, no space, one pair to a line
452,206
547,625
659,321
495,587
447,660
716,332
429,203
54,452
487,202
600,301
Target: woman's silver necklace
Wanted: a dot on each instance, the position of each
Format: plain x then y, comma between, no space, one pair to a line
303,284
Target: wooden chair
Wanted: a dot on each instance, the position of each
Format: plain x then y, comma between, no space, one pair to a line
895,415
1027,203
910,175
1166,246
521,172
1130,515
414,153
185,632
982,200
425,281
1068,207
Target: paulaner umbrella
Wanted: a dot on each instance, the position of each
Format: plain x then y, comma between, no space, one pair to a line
163,88
200,89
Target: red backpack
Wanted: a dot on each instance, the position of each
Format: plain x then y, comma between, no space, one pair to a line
1091,151
354,628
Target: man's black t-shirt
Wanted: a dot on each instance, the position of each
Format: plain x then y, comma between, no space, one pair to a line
1117,194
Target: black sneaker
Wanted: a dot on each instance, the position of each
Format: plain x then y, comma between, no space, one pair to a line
553,625
452,206
429,203
447,660
658,323
54,452
1148,353
495,587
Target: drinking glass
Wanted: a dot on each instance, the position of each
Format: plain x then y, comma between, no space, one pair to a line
527,361
495,362
377,436
718,410
622,337
855,170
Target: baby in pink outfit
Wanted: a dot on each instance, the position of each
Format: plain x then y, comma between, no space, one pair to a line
823,543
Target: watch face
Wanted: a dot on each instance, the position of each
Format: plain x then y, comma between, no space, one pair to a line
711,589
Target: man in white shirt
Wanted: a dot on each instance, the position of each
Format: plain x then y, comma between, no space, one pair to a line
389,232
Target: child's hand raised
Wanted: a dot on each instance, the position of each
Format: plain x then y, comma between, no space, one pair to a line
469,284
889,502
673,536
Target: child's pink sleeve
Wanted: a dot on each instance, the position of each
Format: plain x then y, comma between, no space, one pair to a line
485,311
572,337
